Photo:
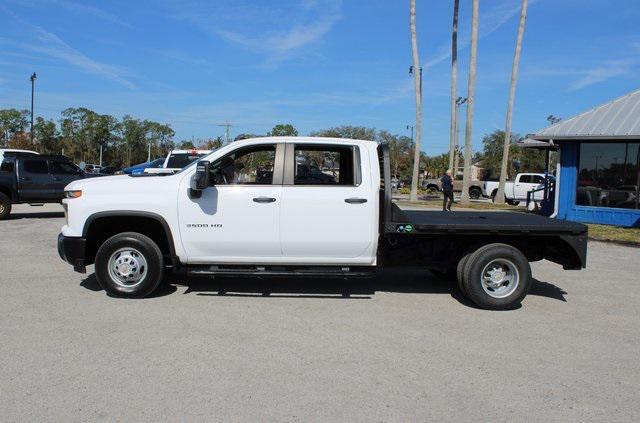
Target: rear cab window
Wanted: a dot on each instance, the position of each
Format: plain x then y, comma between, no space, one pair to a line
326,165
35,166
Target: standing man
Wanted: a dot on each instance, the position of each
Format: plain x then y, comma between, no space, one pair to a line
447,191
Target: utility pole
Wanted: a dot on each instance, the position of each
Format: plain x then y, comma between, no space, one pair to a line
227,127
33,84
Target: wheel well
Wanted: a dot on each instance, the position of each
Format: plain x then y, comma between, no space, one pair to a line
474,187
433,186
494,192
102,228
6,191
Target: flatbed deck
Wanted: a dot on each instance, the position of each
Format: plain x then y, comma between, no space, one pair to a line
484,222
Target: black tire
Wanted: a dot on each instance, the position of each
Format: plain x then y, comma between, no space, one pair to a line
460,271
476,263
5,206
513,202
475,193
143,245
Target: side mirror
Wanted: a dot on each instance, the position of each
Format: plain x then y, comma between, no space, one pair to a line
202,176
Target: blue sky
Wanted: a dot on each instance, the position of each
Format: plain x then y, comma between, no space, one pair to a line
312,63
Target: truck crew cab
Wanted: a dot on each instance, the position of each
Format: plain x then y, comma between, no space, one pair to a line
28,177
297,206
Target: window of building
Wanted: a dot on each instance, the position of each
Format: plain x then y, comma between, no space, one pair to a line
252,165
609,175
324,165
35,166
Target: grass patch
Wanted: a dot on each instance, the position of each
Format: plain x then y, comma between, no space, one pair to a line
614,234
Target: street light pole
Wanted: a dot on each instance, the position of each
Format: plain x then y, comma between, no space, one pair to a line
33,84
411,127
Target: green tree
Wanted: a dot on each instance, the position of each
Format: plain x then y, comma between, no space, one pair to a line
12,122
524,159
245,136
283,130
46,135
351,132
186,145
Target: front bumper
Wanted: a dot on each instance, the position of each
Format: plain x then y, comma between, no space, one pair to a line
72,250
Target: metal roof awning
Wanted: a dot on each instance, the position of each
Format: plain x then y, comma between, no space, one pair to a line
617,119
542,145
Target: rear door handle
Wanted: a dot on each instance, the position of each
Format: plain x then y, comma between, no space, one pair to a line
355,200
264,200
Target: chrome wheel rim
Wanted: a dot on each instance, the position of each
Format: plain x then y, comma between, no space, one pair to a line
1,208
500,278
127,267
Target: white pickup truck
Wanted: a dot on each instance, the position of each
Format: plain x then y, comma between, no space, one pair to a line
297,206
516,191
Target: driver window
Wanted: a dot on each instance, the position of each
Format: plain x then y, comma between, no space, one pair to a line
246,166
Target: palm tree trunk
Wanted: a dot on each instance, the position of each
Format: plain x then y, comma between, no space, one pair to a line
454,85
417,83
512,95
471,90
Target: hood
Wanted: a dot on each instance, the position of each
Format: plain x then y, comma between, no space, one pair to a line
114,184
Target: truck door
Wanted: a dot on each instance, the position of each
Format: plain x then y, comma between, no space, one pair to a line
327,209
521,186
62,174
34,181
236,219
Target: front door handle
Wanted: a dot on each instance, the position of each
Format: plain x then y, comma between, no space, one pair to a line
264,200
355,200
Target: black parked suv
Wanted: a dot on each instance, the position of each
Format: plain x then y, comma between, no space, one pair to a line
34,179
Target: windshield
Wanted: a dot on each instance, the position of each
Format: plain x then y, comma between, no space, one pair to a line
180,160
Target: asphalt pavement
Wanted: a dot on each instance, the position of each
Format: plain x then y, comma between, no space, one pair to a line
402,347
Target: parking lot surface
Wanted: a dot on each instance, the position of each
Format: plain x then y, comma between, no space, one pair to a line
401,347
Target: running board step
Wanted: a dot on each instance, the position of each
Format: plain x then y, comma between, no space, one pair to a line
279,271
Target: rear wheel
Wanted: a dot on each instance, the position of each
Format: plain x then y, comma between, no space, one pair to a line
460,271
497,277
5,206
432,190
129,265
475,192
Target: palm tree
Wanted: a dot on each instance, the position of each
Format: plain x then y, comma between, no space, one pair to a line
512,94
417,78
454,85
471,91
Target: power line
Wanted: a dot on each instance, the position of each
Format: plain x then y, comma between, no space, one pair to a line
227,127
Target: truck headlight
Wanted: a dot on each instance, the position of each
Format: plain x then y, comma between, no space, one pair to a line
73,194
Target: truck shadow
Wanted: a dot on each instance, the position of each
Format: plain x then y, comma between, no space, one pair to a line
407,281
37,215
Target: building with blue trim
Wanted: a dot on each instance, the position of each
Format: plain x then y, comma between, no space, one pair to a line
598,176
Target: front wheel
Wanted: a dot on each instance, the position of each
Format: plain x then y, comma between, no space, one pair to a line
129,265
5,206
497,277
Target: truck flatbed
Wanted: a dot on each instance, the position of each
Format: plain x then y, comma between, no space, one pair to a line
483,222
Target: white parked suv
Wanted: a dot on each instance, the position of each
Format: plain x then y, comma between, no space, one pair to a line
297,206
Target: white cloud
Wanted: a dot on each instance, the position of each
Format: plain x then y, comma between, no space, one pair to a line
289,30
602,73
81,8
53,46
